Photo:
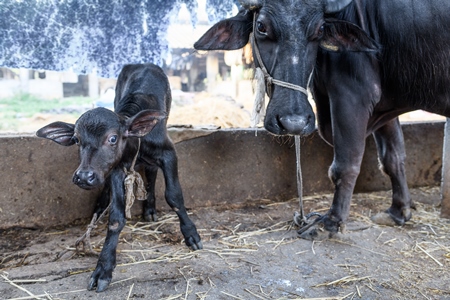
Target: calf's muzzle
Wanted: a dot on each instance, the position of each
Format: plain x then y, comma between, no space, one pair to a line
85,179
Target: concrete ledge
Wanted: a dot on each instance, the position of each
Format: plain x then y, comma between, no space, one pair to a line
215,167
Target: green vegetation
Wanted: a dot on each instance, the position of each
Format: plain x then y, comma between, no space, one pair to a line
22,105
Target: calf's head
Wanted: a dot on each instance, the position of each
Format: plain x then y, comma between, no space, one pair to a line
101,136
287,34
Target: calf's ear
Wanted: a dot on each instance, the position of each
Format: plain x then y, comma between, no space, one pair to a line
142,123
341,36
228,34
59,132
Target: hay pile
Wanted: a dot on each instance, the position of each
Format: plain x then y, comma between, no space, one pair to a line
205,110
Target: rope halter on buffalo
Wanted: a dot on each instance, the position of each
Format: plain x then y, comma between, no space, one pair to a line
264,82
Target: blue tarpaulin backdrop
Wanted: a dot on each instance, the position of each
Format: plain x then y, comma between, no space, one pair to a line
81,35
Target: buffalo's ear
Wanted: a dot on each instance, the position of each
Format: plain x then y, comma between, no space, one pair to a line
59,132
142,123
344,36
228,34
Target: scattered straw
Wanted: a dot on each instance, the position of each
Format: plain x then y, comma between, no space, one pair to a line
19,287
389,241
363,248
357,290
129,293
28,280
327,298
240,236
172,297
255,294
429,255
123,280
343,280
47,295
229,295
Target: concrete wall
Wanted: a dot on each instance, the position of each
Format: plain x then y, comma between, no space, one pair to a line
215,167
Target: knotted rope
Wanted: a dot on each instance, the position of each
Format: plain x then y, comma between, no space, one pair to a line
134,185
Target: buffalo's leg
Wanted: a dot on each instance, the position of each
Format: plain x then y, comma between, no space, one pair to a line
349,144
343,121
391,153
149,212
102,275
174,198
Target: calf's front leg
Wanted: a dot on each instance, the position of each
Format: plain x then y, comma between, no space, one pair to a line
102,275
103,199
174,197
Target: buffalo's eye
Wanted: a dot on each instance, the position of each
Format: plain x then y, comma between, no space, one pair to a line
261,27
75,140
112,139
320,31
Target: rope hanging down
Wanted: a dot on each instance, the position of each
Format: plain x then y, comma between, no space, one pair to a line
134,186
264,82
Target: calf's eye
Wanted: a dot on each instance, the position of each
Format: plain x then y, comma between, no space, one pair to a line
75,140
112,139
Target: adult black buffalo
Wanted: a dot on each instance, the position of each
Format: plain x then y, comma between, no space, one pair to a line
371,60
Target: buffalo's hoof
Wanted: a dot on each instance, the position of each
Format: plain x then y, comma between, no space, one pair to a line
316,233
391,217
323,227
302,221
383,218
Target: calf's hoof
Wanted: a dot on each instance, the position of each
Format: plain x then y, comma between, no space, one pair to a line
194,243
152,217
191,237
99,279
149,214
99,285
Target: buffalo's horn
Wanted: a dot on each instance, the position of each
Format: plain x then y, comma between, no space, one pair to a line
332,6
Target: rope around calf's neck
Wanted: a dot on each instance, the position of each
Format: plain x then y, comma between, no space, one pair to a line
134,185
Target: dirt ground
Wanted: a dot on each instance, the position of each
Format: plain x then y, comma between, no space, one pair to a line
251,251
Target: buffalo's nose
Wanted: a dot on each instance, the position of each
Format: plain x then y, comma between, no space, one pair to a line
297,125
84,178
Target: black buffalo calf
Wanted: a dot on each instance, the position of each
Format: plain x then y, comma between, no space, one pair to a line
109,141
